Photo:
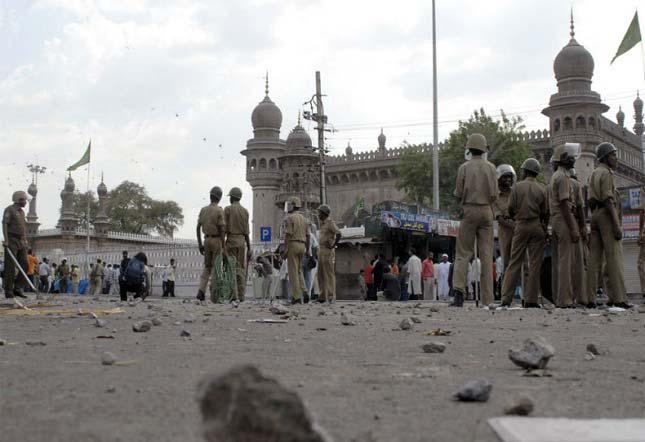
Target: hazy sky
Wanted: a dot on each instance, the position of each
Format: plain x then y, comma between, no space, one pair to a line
166,92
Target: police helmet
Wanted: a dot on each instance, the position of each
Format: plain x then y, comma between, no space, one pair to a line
477,142
532,164
324,208
216,192
604,149
235,192
295,202
505,169
566,150
18,195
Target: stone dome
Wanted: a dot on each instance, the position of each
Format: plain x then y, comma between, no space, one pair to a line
299,139
266,115
101,190
32,190
69,184
573,61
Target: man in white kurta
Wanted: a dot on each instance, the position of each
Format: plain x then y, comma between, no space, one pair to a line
443,269
414,282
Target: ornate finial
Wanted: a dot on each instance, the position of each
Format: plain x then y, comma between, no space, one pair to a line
573,31
101,176
298,118
69,172
381,130
266,84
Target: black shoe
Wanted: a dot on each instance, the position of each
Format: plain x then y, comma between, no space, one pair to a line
623,305
295,301
505,304
164,296
18,293
201,296
459,299
305,299
321,300
591,305
8,296
532,305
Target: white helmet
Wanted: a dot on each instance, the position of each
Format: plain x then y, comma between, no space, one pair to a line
506,169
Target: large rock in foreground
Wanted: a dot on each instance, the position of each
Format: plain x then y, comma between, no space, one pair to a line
244,406
535,354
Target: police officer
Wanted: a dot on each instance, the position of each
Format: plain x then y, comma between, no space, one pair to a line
238,243
329,236
606,232
14,231
211,222
580,249
565,229
296,245
505,179
529,207
477,190
641,240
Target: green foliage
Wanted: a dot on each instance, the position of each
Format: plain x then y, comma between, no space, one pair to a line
415,169
132,210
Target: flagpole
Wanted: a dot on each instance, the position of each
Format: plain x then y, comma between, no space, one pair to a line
87,250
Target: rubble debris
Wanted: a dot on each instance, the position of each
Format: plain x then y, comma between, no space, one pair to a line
520,406
591,348
142,326
108,358
535,354
346,319
243,405
406,324
156,321
184,334
434,347
100,323
36,343
474,391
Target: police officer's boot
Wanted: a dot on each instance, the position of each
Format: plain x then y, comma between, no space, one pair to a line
201,296
459,299
18,292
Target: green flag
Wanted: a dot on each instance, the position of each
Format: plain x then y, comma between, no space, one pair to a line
84,160
631,38
360,205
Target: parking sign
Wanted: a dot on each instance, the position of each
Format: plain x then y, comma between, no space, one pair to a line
265,234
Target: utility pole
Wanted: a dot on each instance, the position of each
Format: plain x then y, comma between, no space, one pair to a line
435,119
320,118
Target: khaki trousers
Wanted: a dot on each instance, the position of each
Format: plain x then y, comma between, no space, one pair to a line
10,282
563,246
236,246
95,284
641,267
602,244
476,225
326,273
428,289
295,253
579,274
505,243
212,249
528,236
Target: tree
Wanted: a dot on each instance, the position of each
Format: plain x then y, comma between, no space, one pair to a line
506,147
132,210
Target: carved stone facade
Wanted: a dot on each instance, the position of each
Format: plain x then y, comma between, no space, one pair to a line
575,114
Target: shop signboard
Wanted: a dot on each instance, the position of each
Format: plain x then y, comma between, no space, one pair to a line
630,226
447,227
631,198
408,221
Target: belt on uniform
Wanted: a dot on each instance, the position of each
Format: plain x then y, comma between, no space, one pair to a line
528,219
211,236
234,234
296,240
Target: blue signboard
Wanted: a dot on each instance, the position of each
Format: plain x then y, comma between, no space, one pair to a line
265,234
409,221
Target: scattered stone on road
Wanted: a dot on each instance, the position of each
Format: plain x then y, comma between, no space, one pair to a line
415,319
521,406
108,358
535,354
3,342
346,319
110,389
406,324
189,319
589,356
184,334
142,326
591,348
243,405
36,343
434,347
278,309
474,391
100,323
156,321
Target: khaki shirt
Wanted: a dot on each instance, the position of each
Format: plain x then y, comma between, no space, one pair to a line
296,227
477,182
100,270
528,200
236,218
559,190
63,271
328,232
211,217
578,200
601,186
14,218
500,206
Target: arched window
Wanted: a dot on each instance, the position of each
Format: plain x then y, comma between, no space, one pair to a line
272,164
254,164
263,164
568,123
344,179
296,182
556,125
581,123
592,123
353,178
335,180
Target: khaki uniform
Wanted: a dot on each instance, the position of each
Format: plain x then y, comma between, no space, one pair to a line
500,209
14,218
236,218
327,261
477,189
580,251
97,275
296,231
559,190
602,241
211,218
63,273
528,205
